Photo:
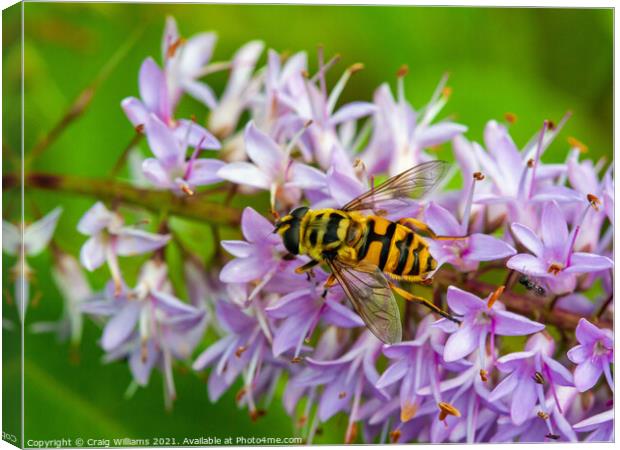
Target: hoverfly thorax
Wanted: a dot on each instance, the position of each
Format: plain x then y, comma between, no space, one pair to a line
289,227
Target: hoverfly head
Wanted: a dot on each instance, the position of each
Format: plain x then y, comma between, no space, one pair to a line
289,228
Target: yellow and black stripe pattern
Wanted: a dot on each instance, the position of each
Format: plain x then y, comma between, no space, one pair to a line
354,238
395,249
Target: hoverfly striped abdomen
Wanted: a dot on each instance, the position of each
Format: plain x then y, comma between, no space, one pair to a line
395,249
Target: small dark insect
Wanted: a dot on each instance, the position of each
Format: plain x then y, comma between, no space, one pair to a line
531,286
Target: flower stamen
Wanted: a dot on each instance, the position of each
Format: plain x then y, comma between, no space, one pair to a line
576,143
495,295
446,409
555,268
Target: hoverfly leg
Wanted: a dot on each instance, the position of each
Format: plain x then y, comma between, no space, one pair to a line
421,227
329,283
306,267
414,298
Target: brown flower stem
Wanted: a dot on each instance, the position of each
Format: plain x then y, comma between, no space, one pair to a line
604,306
534,308
118,191
122,159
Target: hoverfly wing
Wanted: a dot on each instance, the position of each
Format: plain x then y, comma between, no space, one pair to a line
413,183
368,290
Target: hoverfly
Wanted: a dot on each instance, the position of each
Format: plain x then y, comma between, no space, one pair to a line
362,249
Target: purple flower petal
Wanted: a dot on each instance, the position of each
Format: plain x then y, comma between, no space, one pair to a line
560,374
588,262
212,352
587,374
505,387
201,92
256,228
163,143
289,304
156,173
263,151
461,343
587,333
240,249
192,134
488,248
95,219
554,230
243,270
342,187
578,354
440,133
339,315
37,235
120,326
196,53
523,401
463,302
511,324
441,221
392,374
307,177
352,111
131,241
92,253
204,171
135,111
528,264
141,368
528,238
243,172
153,90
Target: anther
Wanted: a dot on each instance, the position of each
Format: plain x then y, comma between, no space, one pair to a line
543,415
342,395
394,436
256,414
240,351
296,360
301,421
351,433
240,393
478,176
186,189
446,409
538,378
193,118
355,68
402,71
446,92
140,128
555,437
484,375
511,118
531,163
172,49
555,268
144,351
495,295
594,201
551,124
576,143
305,74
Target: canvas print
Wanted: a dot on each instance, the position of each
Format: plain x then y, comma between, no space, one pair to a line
303,224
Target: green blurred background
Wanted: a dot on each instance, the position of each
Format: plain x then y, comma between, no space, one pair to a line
535,63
